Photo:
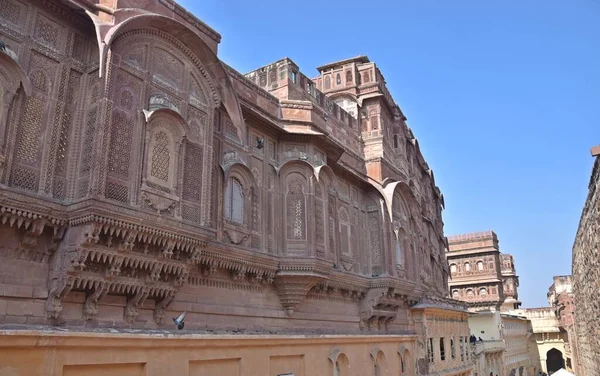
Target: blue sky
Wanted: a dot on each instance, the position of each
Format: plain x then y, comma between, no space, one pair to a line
502,95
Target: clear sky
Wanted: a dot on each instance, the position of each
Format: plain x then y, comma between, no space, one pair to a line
503,97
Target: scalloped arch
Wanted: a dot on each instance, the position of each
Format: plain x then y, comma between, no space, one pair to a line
198,50
13,75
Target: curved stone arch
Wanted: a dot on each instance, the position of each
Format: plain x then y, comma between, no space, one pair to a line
165,41
170,117
379,361
325,174
298,164
405,361
240,172
340,362
12,75
202,55
406,193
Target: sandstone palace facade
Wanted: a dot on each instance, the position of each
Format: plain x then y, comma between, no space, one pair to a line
142,177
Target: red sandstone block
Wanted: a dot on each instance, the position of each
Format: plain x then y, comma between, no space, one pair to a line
40,292
16,291
25,308
184,297
75,297
72,310
3,303
11,319
36,321
110,312
113,300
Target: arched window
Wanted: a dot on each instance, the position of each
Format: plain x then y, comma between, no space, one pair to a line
296,211
374,119
327,82
344,222
467,267
365,77
161,157
483,291
470,293
480,265
233,204
452,268
338,79
455,294
452,348
348,77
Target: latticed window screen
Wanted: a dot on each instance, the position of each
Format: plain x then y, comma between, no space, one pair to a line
295,210
161,157
234,201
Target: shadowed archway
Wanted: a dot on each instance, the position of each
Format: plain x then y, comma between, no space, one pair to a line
554,360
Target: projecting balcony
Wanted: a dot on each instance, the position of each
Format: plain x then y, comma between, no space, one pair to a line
490,346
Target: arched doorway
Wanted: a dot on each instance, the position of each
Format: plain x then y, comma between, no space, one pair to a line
554,360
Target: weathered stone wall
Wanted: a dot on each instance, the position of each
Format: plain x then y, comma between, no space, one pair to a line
586,276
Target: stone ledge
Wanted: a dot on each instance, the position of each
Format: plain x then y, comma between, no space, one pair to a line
28,336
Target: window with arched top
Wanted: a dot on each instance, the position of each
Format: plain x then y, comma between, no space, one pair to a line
344,230
374,120
161,166
470,293
233,202
338,79
296,210
455,294
483,291
348,77
341,366
480,265
327,84
161,157
365,77
467,267
452,268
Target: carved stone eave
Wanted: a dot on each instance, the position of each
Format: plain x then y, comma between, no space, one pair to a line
140,221
240,262
32,223
296,277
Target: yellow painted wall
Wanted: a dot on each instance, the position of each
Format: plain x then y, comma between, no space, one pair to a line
28,353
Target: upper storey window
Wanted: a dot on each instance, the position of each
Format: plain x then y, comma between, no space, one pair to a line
348,77
234,202
453,269
480,265
161,158
338,79
327,82
467,267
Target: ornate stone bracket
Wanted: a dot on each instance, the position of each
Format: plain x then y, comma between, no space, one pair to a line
237,237
133,302
162,306
102,258
90,308
295,279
